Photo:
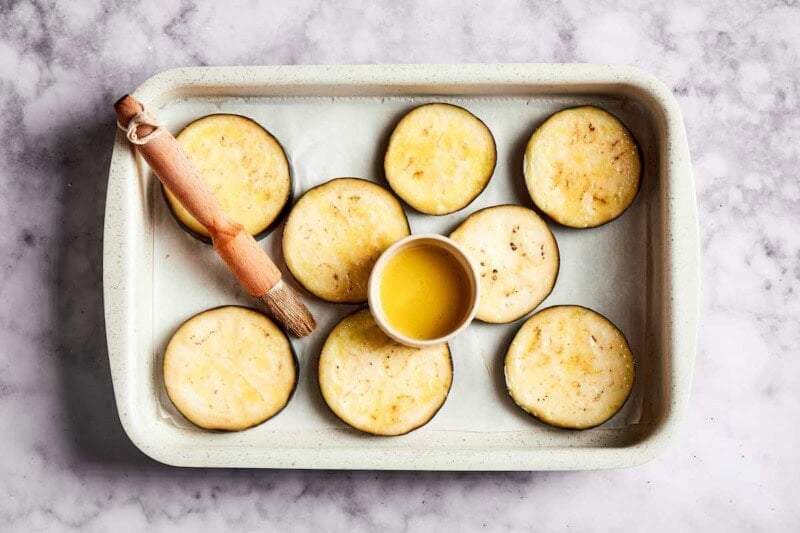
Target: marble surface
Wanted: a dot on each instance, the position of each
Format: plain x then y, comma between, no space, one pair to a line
65,463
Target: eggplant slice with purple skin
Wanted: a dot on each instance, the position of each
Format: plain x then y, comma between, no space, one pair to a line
377,385
229,369
582,167
335,233
517,259
440,157
570,367
245,168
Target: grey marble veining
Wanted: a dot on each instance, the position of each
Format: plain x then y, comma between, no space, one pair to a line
65,462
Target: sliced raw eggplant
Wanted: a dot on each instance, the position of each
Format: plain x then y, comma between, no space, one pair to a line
582,167
517,260
378,386
244,166
229,368
335,233
440,157
570,367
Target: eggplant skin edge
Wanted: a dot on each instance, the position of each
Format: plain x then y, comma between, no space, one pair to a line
287,202
371,433
488,179
295,361
639,181
561,426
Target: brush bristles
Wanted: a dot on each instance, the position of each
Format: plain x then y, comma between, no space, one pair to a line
286,307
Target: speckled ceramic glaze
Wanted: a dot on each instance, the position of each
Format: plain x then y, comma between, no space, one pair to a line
640,270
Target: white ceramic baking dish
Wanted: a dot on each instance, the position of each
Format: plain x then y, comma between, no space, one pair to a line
640,270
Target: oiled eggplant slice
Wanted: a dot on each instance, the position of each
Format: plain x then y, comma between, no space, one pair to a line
440,157
570,367
244,166
335,233
582,167
229,368
378,386
517,259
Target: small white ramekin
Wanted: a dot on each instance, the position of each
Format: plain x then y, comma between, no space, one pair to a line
374,292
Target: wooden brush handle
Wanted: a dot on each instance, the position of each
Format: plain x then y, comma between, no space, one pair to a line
247,261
